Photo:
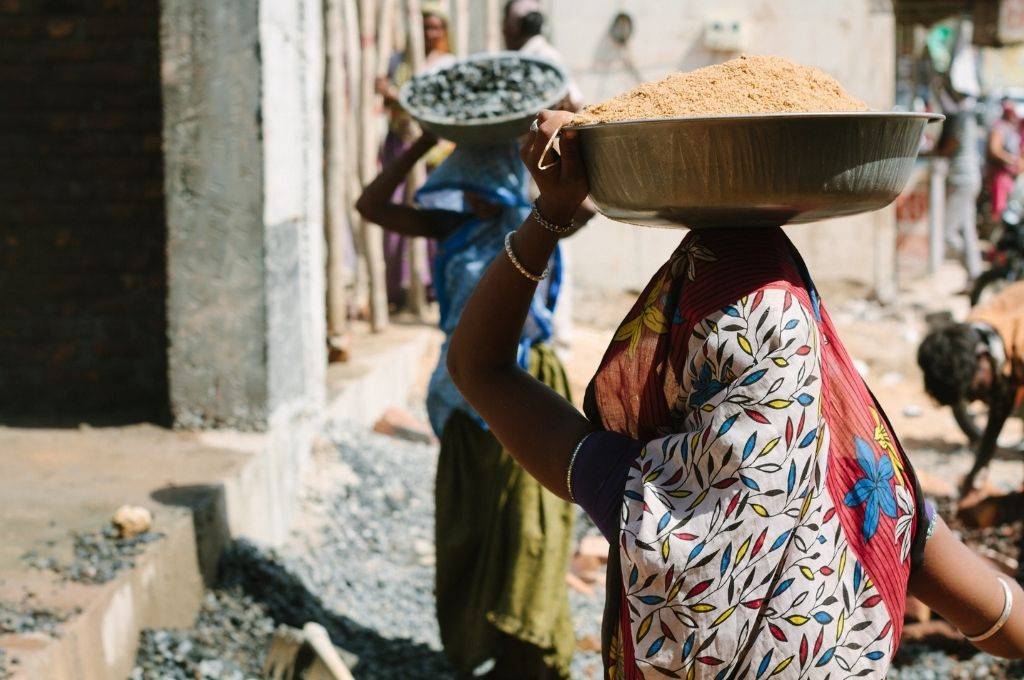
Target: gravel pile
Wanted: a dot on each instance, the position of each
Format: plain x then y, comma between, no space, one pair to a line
5,672
228,642
370,557
1005,539
918,662
98,556
27,617
485,88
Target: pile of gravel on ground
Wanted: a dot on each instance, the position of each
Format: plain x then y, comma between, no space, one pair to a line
485,88
918,662
4,671
371,559
98,556
27,617
229,642
1004,539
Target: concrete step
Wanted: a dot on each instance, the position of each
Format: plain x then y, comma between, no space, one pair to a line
203,488
164,589
384,371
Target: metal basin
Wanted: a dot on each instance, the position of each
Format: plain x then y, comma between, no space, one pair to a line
750,170
486,130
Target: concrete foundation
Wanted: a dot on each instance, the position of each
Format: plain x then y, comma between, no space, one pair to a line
243,125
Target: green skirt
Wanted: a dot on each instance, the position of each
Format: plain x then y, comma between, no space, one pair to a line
503,548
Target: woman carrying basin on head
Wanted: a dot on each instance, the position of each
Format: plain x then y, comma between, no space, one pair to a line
764,519
503,541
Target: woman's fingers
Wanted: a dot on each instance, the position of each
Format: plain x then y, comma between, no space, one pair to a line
572,165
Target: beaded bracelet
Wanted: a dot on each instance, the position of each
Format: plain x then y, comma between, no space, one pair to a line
572,462
557,229
536,278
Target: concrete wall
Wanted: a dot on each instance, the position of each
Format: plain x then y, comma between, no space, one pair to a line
851,39
243,129
81,210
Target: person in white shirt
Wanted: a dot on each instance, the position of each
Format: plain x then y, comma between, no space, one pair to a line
523,32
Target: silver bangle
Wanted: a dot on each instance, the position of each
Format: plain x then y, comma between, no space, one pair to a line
572,462
1003,617
557,229
536,278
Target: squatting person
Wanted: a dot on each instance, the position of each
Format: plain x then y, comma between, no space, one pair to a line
980,360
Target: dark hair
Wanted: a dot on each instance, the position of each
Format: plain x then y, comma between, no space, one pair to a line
532,24
948,357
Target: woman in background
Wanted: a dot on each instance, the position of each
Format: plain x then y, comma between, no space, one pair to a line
503,541
401,131
1003,157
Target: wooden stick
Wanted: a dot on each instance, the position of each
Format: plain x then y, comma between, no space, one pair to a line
417,249
373,243
353,68
386,36
494,20
336,189
460,18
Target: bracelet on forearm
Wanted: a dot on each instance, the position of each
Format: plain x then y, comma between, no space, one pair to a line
558,229
1003,617
536,278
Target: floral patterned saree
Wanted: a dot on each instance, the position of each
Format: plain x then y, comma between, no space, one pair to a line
768,525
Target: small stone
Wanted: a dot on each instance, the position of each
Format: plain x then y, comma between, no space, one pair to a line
132,520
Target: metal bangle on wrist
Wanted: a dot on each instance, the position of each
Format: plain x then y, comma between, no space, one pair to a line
557,229
536,278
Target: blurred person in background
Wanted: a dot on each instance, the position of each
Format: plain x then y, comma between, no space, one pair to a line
959,143
980,360
1004,162
522,29
401,132
503,542
523,32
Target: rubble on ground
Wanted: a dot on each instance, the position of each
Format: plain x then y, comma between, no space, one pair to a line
228,642
29,617
98,556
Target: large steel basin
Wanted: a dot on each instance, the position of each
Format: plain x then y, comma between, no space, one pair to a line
750,170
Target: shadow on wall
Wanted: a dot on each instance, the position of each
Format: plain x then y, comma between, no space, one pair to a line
209,518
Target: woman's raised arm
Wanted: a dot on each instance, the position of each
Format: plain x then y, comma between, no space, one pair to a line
375,203
536,425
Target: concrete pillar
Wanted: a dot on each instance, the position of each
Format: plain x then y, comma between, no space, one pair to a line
243,103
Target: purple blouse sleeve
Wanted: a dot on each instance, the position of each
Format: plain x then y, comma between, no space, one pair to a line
599,478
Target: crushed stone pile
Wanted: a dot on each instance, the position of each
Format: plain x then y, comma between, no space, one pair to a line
98,556
228,642
485,88
745,85
29,617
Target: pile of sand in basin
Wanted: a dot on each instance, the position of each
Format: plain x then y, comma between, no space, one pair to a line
739,86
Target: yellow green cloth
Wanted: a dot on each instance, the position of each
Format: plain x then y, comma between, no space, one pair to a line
503,547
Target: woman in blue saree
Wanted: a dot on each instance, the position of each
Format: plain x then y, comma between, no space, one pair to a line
503,541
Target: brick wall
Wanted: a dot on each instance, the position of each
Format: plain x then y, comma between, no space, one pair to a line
82,272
